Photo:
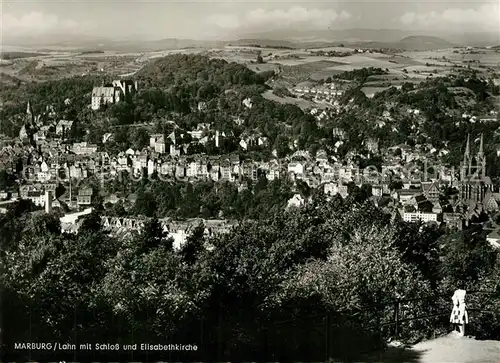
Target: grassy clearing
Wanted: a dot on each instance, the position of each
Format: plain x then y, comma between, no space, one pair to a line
300,102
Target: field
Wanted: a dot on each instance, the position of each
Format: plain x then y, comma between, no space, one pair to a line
66,63
370,91
300,102
293,65
19,55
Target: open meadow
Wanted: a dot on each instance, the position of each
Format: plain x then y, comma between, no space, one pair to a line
300,102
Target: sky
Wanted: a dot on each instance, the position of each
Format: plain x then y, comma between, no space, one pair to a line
203,19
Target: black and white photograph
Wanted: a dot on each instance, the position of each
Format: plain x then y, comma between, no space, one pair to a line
250,181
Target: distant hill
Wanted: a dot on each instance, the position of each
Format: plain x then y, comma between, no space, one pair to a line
362,38
293,39
264,43
85,43
162,44
415,42
423,42
334,35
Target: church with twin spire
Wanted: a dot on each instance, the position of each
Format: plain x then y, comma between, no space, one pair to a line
475,186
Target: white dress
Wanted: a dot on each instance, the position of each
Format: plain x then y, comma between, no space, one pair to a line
459,312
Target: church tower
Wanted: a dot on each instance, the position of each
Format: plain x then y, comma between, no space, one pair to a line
481,160
26,130
29,114
466,166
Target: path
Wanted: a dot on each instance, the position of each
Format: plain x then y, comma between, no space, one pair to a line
447,349
454,349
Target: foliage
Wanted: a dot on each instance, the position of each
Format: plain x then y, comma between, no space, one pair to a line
332,257
466,258
205,199
360,75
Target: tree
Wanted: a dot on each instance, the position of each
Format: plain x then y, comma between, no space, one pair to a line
152,236
466,258
395,185
194,245
47,265
118,209
46,224
91,223
140,138
303,188
145,204
281,146
6,180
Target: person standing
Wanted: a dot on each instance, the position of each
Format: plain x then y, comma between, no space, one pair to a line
459,314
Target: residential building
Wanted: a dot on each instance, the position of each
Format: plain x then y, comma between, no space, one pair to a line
64,128
226,173
159,145
180,171
192,169
418,216
84,148
404,195
197,135
296,201
84,196
431,191
37,197
214,172
296,168
152,140
335,188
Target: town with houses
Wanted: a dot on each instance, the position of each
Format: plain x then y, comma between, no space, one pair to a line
265,182
50,162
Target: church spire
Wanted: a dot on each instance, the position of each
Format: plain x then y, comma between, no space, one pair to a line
481,153
29,110
467,149
466,165
481,160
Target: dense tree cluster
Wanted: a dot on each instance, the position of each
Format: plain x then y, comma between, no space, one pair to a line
204,199
360,75
233,294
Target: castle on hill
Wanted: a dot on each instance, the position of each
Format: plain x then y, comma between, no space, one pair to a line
112,93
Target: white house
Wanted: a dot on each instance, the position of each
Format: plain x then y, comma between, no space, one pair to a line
417,216
296,168
296,201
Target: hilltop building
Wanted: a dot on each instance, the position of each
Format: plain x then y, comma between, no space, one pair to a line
115,92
